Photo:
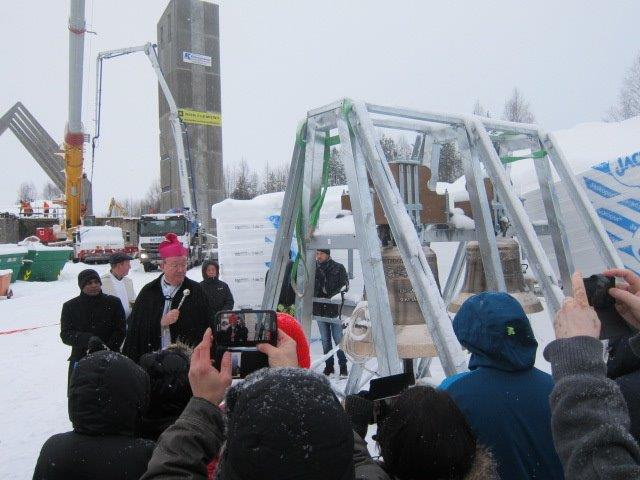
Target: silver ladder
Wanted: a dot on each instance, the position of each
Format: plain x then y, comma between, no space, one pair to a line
364,160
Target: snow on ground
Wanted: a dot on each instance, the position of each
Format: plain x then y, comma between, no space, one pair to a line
34,366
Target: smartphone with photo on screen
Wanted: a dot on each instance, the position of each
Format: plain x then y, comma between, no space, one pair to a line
240,332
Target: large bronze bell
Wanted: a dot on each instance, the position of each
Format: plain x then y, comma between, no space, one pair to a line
475,282
412,337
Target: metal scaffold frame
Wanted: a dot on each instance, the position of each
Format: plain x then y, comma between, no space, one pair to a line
365,164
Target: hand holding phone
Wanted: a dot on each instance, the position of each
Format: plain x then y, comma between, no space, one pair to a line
282,355
206,381
240,332
627,296
599,291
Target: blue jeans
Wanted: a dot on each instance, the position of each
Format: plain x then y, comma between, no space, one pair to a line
328,330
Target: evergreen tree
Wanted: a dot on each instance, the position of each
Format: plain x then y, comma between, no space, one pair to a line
450,165
246,186
389,148
337,176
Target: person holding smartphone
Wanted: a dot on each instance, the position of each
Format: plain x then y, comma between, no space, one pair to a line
281,422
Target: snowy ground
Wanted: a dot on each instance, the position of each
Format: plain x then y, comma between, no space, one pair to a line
34,365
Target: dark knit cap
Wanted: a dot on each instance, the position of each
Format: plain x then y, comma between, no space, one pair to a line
285,424
85,276
325,250
119,257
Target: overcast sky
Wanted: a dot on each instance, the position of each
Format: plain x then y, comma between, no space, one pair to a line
282,58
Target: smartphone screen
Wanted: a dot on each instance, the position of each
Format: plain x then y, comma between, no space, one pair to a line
239,332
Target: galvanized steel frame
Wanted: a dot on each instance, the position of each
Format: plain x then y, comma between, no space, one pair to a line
362,155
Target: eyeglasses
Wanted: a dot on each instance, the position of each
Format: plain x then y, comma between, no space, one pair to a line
176,266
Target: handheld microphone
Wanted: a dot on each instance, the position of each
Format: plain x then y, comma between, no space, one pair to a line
185,294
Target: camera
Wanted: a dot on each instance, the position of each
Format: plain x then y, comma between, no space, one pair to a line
612,324
239,332
383,392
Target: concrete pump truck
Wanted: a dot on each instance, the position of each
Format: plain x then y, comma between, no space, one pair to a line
184,223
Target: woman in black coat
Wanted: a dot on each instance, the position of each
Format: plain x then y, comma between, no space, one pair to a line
218,293
107,397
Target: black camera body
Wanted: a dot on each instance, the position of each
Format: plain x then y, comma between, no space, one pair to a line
383,392
612,324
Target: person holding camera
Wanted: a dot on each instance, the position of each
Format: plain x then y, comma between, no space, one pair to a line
421,434
281,422
504,397
589,417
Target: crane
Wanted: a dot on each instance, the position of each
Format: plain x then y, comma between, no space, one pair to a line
74,135
149,49
115,206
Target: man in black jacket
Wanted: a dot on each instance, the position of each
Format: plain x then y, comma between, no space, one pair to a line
91,314
217,291
156,321
331,277
107,396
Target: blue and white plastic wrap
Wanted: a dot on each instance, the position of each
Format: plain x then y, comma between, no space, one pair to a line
614,189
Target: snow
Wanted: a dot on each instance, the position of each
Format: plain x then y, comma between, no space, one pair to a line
460,220
34,368
5,272
12,249
585,145
101,237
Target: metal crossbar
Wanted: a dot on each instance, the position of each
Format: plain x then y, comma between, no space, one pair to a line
365,164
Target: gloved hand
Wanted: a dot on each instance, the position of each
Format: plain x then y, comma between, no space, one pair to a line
360,412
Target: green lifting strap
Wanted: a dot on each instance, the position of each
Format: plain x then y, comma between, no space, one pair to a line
535,155
314,214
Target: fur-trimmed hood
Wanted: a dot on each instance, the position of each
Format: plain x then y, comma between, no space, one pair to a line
484,466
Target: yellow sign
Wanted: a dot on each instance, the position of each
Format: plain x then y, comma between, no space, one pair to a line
200,118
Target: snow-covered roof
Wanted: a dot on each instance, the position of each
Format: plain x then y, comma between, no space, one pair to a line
11,249
584,146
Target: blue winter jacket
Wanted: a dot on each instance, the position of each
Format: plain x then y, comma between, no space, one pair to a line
504,398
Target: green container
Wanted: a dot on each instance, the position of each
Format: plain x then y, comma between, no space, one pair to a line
11,259
44,264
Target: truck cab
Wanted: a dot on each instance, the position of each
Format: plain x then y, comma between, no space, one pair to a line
151,231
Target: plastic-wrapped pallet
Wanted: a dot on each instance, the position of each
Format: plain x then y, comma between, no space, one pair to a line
606,160
246,233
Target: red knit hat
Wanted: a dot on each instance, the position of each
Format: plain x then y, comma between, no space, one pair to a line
291,327
171,246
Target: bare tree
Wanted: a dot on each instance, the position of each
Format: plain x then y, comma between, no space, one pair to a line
629,97
50,191
150,203
230,178
516,109
27,192
478,109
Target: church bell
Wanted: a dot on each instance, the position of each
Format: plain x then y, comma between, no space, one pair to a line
475,281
